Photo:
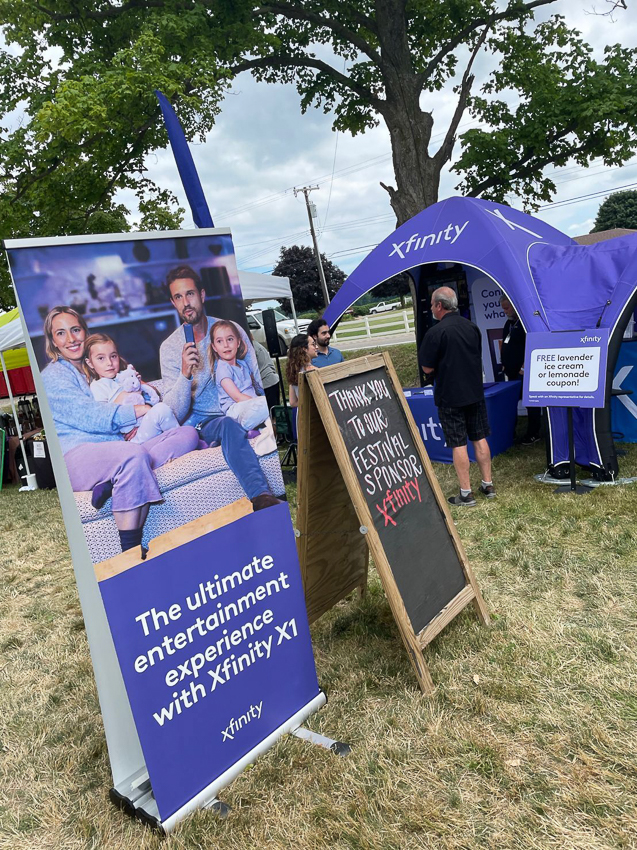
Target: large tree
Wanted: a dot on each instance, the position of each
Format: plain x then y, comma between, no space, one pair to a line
84,74
299,264
618,210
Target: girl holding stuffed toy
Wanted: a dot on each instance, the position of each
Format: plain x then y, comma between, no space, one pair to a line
114,381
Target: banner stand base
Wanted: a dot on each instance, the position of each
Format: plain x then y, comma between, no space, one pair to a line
219,808
578,489
134,795
338,747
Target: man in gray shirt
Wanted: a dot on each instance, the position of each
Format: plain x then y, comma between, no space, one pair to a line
189,387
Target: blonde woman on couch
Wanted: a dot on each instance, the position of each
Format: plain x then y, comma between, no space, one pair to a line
97,456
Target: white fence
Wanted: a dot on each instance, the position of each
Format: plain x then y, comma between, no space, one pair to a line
384,324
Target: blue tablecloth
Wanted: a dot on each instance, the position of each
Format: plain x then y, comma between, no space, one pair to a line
502,403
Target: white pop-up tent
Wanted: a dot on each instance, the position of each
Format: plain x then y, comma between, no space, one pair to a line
12,337
261,287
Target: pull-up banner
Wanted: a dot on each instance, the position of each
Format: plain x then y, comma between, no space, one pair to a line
185,558
217,655
566,368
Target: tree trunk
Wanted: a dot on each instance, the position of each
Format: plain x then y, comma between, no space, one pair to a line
417,174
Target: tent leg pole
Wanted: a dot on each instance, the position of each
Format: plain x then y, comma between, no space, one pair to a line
17,422
296,322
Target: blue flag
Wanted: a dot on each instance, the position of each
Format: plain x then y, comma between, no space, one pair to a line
185,164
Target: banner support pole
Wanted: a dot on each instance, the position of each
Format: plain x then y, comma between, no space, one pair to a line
580,489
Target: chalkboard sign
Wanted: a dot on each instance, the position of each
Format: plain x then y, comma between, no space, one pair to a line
403,506
402,514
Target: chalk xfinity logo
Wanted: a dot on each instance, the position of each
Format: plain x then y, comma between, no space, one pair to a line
415,242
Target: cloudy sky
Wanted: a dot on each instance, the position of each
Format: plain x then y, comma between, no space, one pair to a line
262,147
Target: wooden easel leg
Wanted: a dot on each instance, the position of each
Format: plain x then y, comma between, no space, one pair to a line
362,588
422,673
478,602
418,662
481,610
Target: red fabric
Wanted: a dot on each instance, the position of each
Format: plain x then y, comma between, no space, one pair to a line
21,382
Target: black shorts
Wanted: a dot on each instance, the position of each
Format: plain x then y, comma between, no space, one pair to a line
458,423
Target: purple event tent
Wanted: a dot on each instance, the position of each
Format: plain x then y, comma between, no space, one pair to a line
553,283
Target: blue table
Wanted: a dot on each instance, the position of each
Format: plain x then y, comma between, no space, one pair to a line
502,404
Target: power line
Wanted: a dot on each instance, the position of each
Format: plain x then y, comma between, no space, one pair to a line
578,198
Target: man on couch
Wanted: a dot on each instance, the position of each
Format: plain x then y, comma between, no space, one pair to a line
190,391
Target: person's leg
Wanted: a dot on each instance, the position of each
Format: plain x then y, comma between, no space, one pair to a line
158,420
453,425
124,468
462,466
483,458
240,458
249,414
478,430
172,444
533,424
130,520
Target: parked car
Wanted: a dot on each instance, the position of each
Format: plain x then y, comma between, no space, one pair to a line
284,326
384,306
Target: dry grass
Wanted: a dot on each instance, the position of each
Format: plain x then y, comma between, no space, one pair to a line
528,742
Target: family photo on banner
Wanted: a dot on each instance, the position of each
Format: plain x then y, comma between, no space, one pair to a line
153,384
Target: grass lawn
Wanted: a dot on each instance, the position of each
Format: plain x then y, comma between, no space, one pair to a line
403,357
528,742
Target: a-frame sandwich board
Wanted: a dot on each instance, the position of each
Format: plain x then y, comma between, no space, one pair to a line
366,483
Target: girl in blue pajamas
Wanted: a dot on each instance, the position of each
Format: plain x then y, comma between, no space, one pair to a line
239,398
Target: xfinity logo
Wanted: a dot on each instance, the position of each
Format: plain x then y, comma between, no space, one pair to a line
237,723
451,233
587,338
512,225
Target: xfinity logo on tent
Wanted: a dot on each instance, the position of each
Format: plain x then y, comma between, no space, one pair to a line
417,242
586,338
512,225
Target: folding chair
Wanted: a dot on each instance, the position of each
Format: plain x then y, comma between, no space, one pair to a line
284,420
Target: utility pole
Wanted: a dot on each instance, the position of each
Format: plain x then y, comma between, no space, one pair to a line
306,191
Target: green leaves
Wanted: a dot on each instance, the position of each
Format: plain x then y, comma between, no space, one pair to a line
618,210
81,77
562,105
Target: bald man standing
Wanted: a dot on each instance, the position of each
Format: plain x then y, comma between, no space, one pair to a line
451,353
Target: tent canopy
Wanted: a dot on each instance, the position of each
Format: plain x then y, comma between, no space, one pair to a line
12,337
554,284
492,238
260,287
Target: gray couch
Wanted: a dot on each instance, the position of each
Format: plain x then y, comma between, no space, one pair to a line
192,486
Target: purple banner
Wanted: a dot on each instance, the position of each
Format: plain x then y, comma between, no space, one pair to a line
215,650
